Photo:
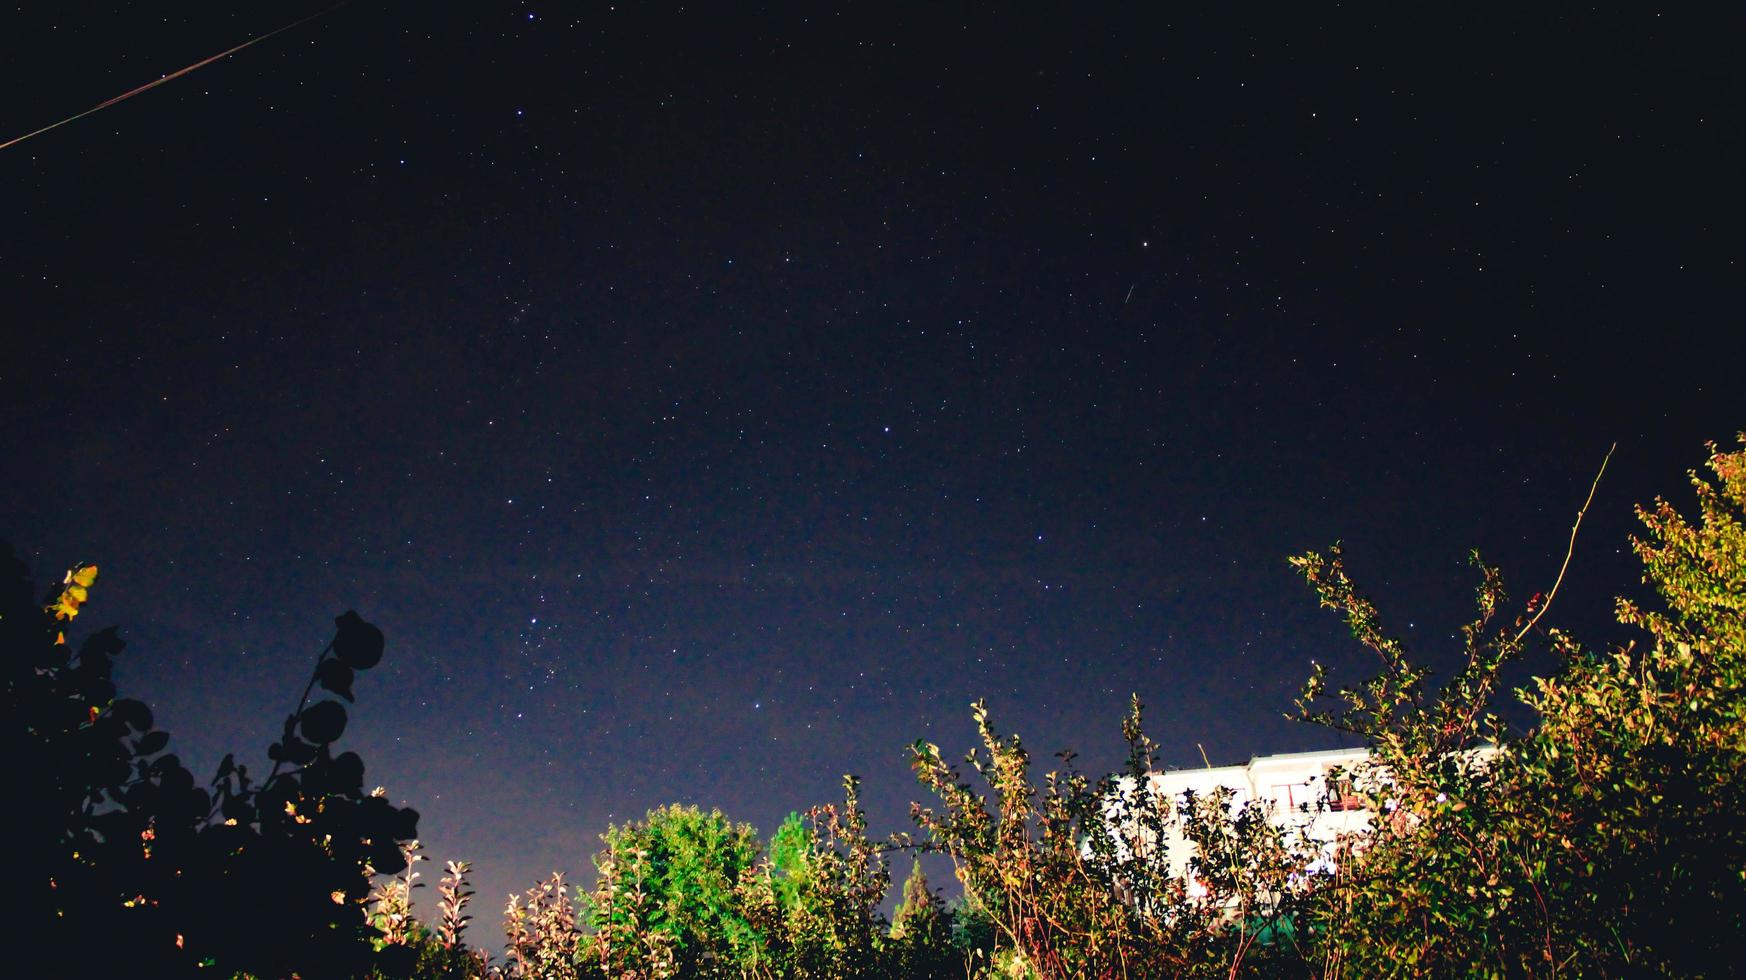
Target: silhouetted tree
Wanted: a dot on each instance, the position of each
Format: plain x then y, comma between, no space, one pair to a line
129,867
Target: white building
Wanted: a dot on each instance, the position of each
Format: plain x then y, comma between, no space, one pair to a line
1296,789
1311,792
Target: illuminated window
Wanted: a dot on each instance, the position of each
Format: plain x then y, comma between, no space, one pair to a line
1282,798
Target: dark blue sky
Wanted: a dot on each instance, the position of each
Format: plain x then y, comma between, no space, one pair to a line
710,404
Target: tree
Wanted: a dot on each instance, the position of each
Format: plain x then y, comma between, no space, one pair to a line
1605,841
685,893
832,878
1640,761
115,839
921,932
664,903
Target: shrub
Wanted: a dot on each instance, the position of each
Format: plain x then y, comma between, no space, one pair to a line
262,878
921,933
1069,884
1605,841
813,904
664,904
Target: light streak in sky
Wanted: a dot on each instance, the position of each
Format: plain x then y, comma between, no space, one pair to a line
147,87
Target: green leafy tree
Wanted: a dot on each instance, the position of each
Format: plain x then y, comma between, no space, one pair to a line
834,879
1607,840
665,902
688,893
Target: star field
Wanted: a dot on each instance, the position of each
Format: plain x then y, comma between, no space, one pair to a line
708,403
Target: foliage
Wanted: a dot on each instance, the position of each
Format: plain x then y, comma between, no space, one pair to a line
1640,764
390,900
1070,883
671,874
453,898
264,878
685,893
411,948
1603,841
1607,840
688,893
813,904
540,926
921,932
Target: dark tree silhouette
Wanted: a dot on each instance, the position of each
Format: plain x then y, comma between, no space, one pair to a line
130,867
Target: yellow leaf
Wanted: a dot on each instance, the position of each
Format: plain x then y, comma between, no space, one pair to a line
78,584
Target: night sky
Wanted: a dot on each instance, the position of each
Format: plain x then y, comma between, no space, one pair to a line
708,404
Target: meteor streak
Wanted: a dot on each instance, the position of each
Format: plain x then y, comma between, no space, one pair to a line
147,87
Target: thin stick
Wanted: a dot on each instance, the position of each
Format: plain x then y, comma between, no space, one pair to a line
302,703
1569,551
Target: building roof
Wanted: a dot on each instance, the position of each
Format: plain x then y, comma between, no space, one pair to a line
1276,758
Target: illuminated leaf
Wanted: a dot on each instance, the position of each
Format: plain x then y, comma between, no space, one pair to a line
65,607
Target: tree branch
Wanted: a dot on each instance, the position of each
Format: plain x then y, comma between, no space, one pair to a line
1570,550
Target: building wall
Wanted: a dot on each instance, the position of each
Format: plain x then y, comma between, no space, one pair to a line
1293,788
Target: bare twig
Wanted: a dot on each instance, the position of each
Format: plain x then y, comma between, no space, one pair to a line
1570,550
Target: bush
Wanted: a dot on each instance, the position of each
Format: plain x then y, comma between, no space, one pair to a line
264,878
1067,884
1607,840
664,904
687,893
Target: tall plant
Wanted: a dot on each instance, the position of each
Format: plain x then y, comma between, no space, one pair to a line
664,904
